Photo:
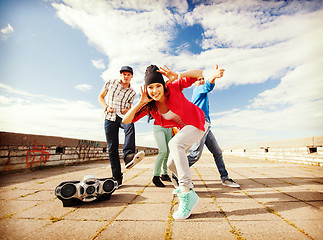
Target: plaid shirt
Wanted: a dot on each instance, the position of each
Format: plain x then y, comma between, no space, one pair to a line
118,98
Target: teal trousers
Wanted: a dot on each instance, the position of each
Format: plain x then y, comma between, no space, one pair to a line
162,136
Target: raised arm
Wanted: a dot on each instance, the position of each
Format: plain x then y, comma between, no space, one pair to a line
132,111
172,76
218,73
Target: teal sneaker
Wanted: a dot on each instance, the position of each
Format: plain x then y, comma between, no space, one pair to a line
187,203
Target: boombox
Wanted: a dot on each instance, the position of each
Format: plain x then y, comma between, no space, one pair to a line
87,190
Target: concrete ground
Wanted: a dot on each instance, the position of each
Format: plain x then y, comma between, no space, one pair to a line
276,201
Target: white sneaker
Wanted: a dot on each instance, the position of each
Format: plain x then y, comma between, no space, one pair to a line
230,183
136,159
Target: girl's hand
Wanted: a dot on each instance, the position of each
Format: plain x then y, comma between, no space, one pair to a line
144,95
172,76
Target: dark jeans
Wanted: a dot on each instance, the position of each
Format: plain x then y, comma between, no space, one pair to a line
210,142
112,136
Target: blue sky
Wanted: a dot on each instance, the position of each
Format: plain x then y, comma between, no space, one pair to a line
56,55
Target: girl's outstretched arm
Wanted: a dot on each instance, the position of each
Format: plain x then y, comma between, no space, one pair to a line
172,76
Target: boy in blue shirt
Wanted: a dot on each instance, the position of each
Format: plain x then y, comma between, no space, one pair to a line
200,99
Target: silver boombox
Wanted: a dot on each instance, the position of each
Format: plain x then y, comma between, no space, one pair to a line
87,190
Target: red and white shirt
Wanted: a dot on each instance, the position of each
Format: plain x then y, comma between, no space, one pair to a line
176,102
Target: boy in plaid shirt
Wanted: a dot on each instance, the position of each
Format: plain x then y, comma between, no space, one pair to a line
116,98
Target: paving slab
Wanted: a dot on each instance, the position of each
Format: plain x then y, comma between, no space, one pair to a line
276,200
133,229
68,229
20,228
268,230
202,230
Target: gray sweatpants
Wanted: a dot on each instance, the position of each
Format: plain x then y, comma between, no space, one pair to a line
178,148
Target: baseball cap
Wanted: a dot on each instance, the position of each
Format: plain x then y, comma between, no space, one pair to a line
126,69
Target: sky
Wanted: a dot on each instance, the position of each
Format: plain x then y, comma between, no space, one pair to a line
56,55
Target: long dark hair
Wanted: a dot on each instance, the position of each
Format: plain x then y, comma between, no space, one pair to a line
149,107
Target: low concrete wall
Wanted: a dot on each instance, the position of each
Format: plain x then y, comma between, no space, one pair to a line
25,151
303,150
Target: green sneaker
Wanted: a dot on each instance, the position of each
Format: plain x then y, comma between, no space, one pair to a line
187,203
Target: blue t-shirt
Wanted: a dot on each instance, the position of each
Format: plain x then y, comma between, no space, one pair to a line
201,99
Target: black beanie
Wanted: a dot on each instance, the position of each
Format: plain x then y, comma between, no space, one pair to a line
152,76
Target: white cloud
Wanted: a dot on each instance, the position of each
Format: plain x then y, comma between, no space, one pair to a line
84,87
6,31
98,63
303,84
120,33
258,45
290,110
35,114
252,23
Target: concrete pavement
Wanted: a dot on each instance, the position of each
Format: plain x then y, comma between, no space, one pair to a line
276,201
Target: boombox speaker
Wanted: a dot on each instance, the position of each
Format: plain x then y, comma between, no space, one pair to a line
87,190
